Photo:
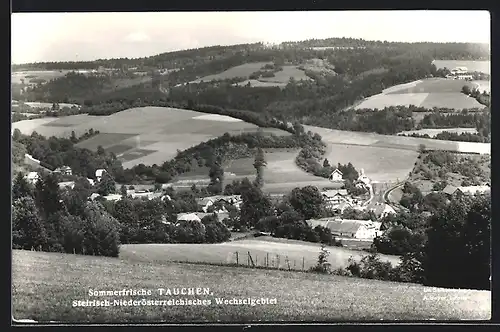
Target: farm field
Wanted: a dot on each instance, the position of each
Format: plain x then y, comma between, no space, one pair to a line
283,76
40,74
433,132
44,285
380,164
428,93
148,135
281,174
238,71
482,66
224,253
260,84
333,136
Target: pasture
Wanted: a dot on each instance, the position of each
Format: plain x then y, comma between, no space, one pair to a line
333,136
45,284
261,84
284,76
277,250
434,131
481,66
428,93
148,135
238,71
47,75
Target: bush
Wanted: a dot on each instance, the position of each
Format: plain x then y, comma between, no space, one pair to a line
322,265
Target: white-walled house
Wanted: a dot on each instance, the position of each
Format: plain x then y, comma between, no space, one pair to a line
66,184
347,228
32,177
99,173
336,176
65,170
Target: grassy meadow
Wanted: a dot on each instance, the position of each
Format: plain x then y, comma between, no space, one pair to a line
428,93
44,285
148,135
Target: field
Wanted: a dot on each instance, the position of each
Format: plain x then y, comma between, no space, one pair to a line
280,79
238,71
260,84
281,174
481,66
428,93
433,132
353,139
283,76
43,74
45,284
148,135
224,253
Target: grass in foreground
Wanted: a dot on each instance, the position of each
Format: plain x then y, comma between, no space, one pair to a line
45,284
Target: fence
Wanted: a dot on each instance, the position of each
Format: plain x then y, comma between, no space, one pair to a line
269,261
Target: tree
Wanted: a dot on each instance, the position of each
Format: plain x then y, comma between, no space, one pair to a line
307,201
47,195
421,148
100,151
457,252
216,175
123,190
28,230
101,232
215,231
21,187
326,163
259,164
255,205
107,185
73,137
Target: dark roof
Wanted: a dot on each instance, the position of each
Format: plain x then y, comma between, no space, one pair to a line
449,189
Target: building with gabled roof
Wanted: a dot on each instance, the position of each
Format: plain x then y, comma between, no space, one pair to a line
65,170
347,228
32,177
336,176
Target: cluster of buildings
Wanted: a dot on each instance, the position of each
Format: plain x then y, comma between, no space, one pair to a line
460,73
349,229
452,191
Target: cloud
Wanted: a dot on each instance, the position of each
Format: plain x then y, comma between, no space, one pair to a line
137,37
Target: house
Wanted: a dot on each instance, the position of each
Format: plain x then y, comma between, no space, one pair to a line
336,176
472,190
381,210
205,202
66,184
147,194
64,170
32,177
94,196
363,181
113,197
334,197
449,190
347,228
92,182
342,207
188,216
99,173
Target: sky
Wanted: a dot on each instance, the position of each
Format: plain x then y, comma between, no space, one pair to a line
39,37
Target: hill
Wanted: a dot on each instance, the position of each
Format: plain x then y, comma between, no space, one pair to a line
428,93
45,284
148,135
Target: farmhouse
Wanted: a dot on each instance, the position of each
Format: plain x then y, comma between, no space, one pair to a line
91,181
32,177
99,173
334,197
188,216
347,228
64,170
363,181
113,197
336,176
451,191
147,194
205,202
66,184
381,210
94,196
